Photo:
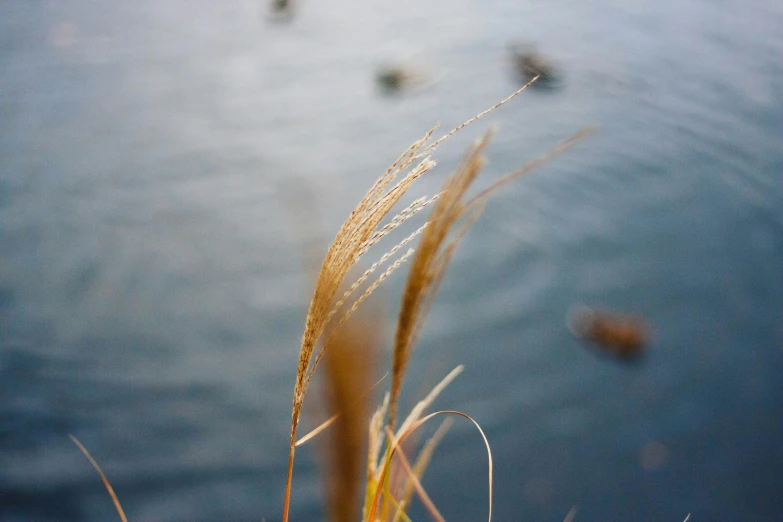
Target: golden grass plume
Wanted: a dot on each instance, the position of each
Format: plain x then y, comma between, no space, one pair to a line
360,232
450,218
436,248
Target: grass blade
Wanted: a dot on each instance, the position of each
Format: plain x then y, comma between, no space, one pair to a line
400,438
106,484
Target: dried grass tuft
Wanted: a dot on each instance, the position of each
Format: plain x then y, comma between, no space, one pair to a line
451,216
360,232
395,442
381,470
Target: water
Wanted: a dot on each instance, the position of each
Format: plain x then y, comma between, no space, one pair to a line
165,167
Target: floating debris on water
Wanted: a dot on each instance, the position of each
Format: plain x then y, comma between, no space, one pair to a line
529,63
281,10
622,336
392,79
396,78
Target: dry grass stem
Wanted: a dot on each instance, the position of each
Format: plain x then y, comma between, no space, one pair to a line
430,263
397,441
537,162
348,367
317,430
106,483
328,422
420,466
413,479
377,436
378,472
422,405
479,115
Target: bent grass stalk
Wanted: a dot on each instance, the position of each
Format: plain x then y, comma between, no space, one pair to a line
396,441
376,476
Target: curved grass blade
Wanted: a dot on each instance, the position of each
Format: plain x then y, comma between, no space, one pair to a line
399,439
106,484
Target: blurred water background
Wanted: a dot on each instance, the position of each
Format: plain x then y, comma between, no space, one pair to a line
165,165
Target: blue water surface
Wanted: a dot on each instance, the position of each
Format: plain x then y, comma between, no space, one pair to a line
168,170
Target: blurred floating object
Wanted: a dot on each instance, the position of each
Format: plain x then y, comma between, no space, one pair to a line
391,79
396,78
281,10
619,335
529,64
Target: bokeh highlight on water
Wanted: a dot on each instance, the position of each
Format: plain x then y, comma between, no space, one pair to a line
165,168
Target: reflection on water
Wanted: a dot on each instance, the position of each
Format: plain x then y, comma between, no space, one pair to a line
167,167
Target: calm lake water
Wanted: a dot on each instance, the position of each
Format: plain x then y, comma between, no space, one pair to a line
166,165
